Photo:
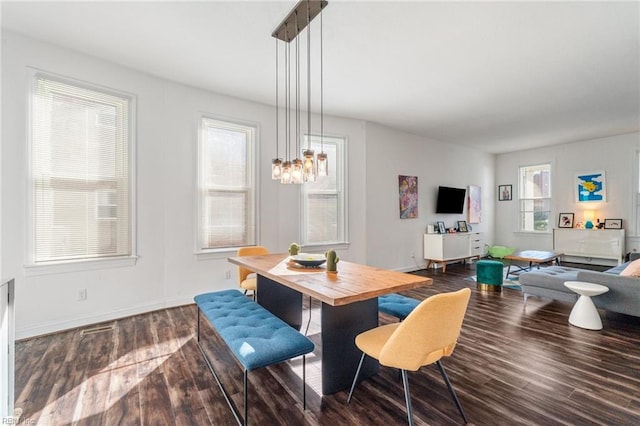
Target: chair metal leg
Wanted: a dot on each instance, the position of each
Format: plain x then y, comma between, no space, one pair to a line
355,378
309,320
407,396
451,391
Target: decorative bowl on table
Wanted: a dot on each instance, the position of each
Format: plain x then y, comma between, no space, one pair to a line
309,260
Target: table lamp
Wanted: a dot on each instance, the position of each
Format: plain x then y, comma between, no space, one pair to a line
588,218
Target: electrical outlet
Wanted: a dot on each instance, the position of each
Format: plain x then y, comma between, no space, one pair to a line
227,275
82,294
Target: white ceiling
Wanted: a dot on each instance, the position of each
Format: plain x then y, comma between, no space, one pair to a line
499,76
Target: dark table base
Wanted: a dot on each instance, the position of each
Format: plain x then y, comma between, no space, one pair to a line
340,326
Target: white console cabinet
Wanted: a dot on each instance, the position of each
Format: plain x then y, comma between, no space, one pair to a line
590,244
441,248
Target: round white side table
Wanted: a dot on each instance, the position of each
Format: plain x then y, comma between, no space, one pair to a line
584,313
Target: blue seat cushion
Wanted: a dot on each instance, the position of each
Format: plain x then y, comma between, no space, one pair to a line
256,337
397,305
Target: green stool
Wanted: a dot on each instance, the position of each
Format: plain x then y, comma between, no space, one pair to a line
489,275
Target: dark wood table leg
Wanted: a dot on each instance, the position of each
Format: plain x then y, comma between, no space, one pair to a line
281,301
340,356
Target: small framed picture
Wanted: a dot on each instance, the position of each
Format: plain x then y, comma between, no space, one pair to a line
462,226
613,224
441,228
504,192
565,220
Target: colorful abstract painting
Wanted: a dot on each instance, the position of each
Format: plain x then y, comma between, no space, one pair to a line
474,209
591,187
408,191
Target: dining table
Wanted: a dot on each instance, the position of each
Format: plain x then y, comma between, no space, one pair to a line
349,306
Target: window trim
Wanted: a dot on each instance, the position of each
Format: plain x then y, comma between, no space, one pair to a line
254,169
73,265
342,183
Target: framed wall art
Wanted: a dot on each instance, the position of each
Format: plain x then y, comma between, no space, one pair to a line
504,192
474,210
591,187
408,193
441,228
613,224
565,220
462,226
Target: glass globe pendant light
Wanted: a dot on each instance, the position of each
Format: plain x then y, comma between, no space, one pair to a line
309,168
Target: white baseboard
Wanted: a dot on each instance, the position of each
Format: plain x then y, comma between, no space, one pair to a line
54,327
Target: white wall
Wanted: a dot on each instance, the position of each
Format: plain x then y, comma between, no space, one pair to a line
616,155
391,240
167,272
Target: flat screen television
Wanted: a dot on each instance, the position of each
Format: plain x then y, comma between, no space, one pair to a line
450,200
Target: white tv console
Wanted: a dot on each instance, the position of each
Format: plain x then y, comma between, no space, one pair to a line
590,244
459,246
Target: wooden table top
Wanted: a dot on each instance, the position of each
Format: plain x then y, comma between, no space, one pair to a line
536,256
352,282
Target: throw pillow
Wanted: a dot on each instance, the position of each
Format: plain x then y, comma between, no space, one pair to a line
632,269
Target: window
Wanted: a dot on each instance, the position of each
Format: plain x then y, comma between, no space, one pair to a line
81,137
323,201
226,185
535,198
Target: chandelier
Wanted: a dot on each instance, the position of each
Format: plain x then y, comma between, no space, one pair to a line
297,170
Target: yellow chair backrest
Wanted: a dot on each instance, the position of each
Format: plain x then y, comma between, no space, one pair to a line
243,273
428,333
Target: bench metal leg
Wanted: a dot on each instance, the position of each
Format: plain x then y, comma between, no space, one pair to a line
304,382
198,325
227,398
222,389
246,402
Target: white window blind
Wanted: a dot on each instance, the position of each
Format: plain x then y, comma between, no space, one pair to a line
80,171
323,201
535,198
226,185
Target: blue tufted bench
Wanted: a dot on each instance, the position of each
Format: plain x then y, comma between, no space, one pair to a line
397,305
255,336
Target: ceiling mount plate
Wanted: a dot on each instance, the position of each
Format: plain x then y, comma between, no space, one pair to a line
298,18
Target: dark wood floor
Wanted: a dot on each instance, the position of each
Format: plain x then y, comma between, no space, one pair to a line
513,365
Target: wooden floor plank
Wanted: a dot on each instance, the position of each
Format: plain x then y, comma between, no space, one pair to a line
514,364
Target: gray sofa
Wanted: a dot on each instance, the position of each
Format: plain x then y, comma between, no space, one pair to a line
623,295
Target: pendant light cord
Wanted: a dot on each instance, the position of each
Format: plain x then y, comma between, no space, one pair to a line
309,77
288,97
297,89
321,86
277,103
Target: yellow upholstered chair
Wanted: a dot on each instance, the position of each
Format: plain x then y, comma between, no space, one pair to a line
429,333
246,282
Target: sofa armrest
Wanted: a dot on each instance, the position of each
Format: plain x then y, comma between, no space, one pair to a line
623,295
